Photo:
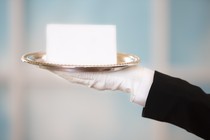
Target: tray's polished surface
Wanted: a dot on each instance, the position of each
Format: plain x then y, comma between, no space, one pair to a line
123,61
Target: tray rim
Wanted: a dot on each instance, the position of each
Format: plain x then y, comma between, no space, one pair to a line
25,58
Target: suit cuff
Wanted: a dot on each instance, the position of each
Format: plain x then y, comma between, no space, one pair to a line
143,87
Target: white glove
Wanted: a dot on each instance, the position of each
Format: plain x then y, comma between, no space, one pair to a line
128,80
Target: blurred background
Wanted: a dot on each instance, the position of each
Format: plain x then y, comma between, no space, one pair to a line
171,36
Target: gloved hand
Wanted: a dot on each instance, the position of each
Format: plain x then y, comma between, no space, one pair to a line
128,80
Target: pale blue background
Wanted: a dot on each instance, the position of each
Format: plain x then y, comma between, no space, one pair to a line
190,32
189,46
4,117
4,25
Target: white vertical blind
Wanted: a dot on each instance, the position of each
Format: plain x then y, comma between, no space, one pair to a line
160,51
16,40
160,34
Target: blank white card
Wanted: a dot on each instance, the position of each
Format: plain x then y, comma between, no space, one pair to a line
81,44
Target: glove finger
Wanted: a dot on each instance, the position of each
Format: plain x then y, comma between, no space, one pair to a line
80,81
71,77
97,85
89,83
86,75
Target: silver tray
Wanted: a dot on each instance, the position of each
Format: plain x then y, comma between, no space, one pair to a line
123,61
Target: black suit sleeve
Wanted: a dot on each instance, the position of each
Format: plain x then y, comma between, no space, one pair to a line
178,102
